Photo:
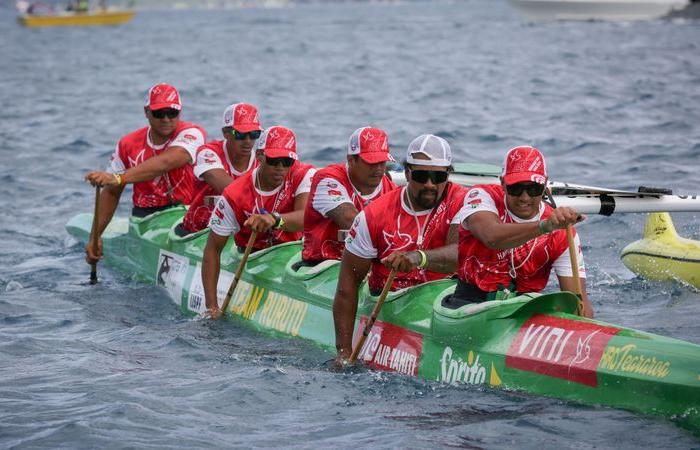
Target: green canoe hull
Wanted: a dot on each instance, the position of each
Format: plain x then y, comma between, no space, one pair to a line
533,343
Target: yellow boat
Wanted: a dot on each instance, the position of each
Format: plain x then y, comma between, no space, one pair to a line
72,19
662,255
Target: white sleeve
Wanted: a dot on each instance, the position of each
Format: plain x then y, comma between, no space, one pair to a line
223,221
359,242
305,185
116,165
190,139
206,160
475,201
562,265
329,195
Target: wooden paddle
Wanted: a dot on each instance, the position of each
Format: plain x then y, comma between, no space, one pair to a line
573,257
241,266
95,238
373,317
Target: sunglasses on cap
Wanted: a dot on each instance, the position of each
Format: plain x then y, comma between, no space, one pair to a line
237,135
532,189
166,112
286,162
436,176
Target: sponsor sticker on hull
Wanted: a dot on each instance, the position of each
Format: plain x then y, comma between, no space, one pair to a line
171,273
390,347
560,348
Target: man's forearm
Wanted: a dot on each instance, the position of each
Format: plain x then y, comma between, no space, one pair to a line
343,215
210,276
293,221
443,259
509,235
344,311
109,200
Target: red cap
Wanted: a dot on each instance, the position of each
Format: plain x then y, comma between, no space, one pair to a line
242,117
163,96
278,142
524,164
372,144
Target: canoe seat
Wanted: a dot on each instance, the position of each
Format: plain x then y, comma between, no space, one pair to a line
174,237
306,272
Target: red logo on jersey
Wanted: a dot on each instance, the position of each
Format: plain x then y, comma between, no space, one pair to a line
334,192
396,241
560,348
190,137
209,161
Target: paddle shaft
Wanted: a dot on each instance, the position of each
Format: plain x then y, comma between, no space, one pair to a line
573,257
373,317
241,266
94,237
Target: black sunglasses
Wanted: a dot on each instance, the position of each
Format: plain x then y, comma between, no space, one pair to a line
166,112
436,176
237,135
532,189
286,162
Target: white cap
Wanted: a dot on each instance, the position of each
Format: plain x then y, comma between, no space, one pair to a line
434,147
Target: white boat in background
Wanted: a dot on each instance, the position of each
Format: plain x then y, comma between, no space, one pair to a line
615,10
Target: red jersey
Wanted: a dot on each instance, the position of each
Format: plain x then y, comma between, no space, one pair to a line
528,265
242,198
331,187
210,156
389,224
176,185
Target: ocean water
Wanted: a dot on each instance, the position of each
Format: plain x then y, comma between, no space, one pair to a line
118,366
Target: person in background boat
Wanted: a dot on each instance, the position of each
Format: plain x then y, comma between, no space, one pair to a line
270,199
413,230
156,159
510,239
220,162
79,6
340,191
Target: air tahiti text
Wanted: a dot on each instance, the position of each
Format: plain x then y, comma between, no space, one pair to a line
390,347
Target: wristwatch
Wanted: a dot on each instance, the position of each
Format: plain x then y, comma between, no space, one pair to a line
278,220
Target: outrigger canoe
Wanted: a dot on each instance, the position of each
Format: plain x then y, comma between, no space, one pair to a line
662,255
74,19
532,343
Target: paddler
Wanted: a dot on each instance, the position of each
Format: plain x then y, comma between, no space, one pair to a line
511,240
340,191
218,163
156,159
270,199
413,230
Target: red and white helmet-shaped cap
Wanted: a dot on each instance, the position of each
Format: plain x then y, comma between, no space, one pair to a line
163,96
278,142
371,144
524,164
242,117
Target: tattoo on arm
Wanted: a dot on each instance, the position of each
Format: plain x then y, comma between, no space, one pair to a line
343,215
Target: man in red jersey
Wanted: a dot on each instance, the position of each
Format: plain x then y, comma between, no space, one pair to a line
270,200
510,239
156,159
218,163
413,230
340,191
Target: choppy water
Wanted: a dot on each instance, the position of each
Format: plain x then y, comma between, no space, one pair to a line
117,365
